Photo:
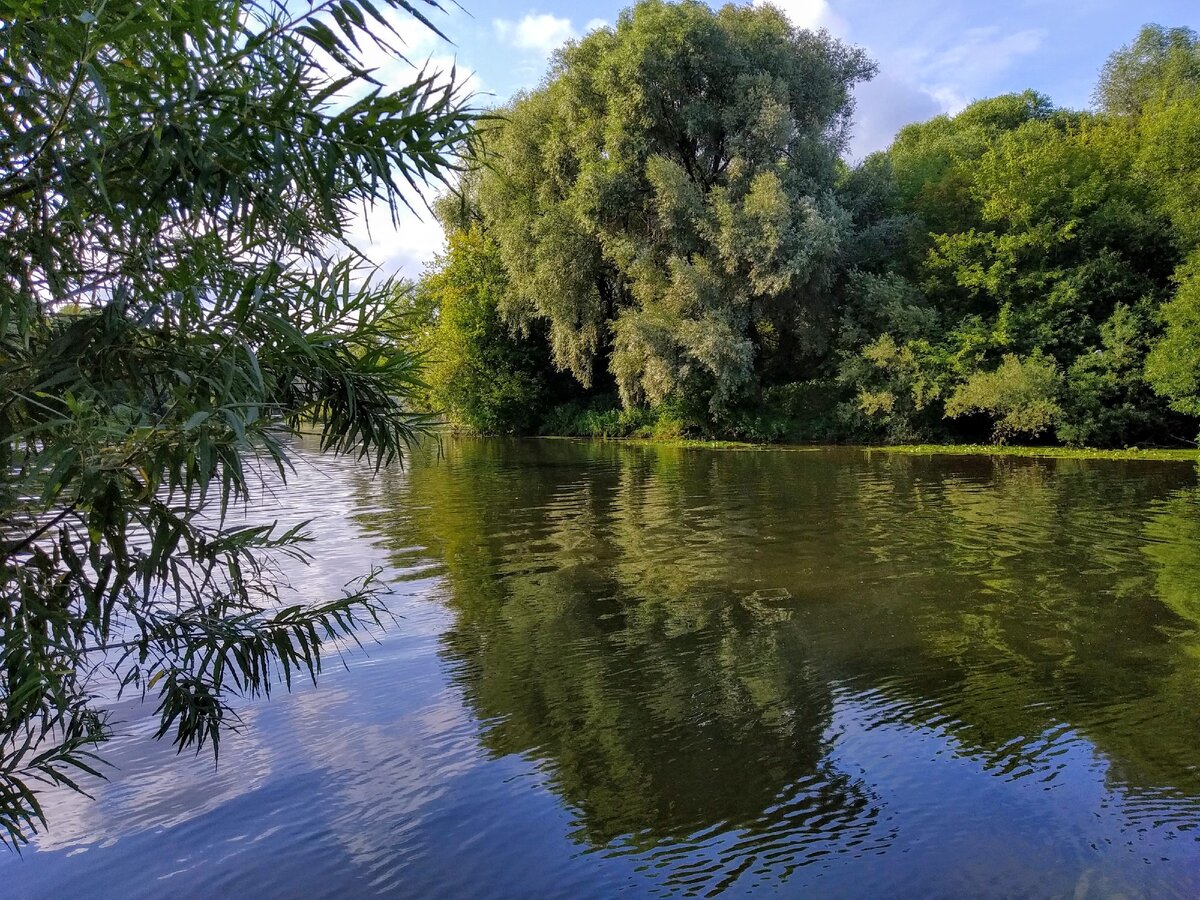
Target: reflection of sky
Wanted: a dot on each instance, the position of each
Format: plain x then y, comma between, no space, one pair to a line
976,815
377,782
411,803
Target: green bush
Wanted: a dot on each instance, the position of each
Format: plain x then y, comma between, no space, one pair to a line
1173,367
481,374
1020,395
604,417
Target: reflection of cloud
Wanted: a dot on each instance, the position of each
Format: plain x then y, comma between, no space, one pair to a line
652,639
149,786
393,775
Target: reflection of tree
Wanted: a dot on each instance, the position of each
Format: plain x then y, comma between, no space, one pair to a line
1010,602
599,627
664,627
1174,545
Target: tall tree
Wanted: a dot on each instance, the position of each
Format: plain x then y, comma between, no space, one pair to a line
1161,71
1173,366
665,201
1044,254
176,298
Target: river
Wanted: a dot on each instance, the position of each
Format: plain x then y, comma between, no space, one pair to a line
670,671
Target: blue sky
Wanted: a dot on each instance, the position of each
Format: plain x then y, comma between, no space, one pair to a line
934,56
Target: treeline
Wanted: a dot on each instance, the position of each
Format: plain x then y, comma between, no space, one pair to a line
663,240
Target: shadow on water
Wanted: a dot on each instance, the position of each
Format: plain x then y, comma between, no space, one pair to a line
729,663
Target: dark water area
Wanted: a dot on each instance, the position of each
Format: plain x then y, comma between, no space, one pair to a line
658,671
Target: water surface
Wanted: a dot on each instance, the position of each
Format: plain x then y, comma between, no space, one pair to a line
666,671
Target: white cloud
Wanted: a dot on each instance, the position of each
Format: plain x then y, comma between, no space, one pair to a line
883,105
986,53
401,248
811,14
405,247
541,32
951,99
400,55
409,38
915,84
963,71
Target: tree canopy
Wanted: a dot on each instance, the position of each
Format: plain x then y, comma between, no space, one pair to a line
664,202
177,297
1159,64
671,208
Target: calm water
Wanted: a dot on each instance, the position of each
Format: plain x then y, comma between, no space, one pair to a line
670,672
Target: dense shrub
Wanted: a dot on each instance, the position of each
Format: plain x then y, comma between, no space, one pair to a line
1021,396
481,373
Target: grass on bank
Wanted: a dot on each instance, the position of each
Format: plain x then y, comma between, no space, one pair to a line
1152,454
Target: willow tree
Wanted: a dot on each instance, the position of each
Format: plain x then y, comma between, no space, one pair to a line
664,202
176,298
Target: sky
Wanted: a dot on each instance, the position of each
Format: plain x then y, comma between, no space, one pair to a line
934,56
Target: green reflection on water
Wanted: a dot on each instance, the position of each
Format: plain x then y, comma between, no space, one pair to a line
674,631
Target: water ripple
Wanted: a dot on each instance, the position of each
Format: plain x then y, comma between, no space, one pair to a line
660,671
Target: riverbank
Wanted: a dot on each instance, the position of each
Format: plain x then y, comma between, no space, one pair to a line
1129,453
1153,454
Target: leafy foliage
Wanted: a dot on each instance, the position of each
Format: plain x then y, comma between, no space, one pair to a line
664,203
480,373
1169,160
1020,394
176,299
670,208
1173,366
1043,248
1159,63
